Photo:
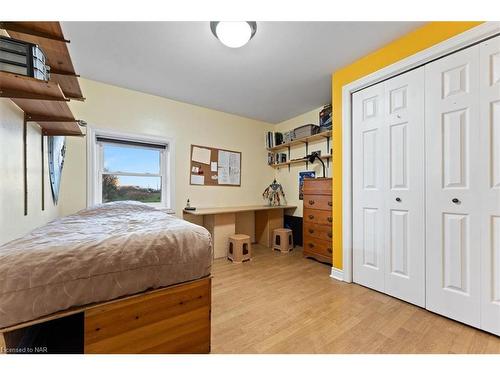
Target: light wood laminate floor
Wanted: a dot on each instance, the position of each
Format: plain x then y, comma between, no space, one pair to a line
288,304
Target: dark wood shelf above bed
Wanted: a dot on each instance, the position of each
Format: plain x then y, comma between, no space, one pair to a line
50,38
42,102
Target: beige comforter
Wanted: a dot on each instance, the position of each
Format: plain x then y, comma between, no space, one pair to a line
97,255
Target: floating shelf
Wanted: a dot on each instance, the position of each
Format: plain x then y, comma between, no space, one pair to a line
297,161
50,38
42,102
300,141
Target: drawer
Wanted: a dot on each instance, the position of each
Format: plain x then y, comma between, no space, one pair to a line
318,202
317,216
322,186
316,246
322,232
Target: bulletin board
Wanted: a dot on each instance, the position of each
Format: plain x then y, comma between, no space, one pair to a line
211,166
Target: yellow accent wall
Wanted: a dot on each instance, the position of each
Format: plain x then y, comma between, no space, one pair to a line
424,37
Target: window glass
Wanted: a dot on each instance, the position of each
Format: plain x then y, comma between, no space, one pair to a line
144,189
127,159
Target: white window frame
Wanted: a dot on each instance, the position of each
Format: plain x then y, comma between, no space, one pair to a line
95,163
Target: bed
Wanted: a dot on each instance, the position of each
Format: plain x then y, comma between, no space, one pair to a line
140,276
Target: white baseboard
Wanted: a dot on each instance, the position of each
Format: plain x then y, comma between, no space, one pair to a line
337,274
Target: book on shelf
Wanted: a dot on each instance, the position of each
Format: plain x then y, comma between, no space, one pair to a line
273,139
276,158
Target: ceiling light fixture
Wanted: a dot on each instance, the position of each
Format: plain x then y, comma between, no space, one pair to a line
234,34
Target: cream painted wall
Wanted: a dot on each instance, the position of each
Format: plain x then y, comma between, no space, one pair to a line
290,180
113,108
13,223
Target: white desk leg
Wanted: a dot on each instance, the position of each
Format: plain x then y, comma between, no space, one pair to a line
220,226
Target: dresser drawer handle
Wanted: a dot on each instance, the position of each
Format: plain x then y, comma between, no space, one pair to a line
311,202
330,203
311,231
311,245
329,219
329,250
311,217
329,234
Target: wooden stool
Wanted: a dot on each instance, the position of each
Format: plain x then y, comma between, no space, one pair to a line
240,248
283,240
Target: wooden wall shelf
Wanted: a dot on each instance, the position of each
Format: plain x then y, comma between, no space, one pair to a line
42,102
50,38
45,102
312,138
305,142
22,87
298,161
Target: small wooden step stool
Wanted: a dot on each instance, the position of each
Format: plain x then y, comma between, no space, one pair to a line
283,240
240,248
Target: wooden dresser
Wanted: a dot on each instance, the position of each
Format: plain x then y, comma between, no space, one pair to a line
318,219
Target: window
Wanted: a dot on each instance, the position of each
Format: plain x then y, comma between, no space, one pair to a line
130,168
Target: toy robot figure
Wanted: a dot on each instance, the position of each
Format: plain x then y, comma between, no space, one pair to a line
272,194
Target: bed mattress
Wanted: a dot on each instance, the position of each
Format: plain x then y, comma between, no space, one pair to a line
99,254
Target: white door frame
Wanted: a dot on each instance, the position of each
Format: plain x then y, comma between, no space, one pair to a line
446,47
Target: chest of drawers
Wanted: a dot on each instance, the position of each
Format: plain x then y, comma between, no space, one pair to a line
318,218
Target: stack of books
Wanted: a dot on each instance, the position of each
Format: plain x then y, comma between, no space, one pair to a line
273,139
276,158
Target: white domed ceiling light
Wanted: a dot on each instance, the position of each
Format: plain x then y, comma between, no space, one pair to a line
234,34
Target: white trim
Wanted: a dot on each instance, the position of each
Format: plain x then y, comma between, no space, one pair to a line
448,46
337,274
168,168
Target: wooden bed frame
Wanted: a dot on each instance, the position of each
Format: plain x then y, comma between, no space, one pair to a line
174,319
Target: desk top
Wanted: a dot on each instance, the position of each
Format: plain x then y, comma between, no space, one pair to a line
230,210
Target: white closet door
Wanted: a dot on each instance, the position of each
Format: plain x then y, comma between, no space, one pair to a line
369,186
405,198
490,153
388,187
453,190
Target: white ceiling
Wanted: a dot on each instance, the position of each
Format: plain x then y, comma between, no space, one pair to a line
282,72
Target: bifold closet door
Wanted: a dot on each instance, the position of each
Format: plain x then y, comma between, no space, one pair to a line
489,62
453,188
405,199
369,186
388,187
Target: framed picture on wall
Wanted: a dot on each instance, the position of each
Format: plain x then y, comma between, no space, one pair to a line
302,175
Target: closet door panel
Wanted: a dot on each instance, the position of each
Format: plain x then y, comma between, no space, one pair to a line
453,187
369,185
490,154
405,228
388,184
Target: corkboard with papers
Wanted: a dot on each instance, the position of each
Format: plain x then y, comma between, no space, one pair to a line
211,166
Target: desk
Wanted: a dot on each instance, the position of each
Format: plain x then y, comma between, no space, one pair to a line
256,221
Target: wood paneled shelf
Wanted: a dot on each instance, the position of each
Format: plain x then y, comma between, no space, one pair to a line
304,142
45,102
42,102
301,141
297,161
50,38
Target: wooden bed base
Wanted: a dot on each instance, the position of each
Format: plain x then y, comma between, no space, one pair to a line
171,320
